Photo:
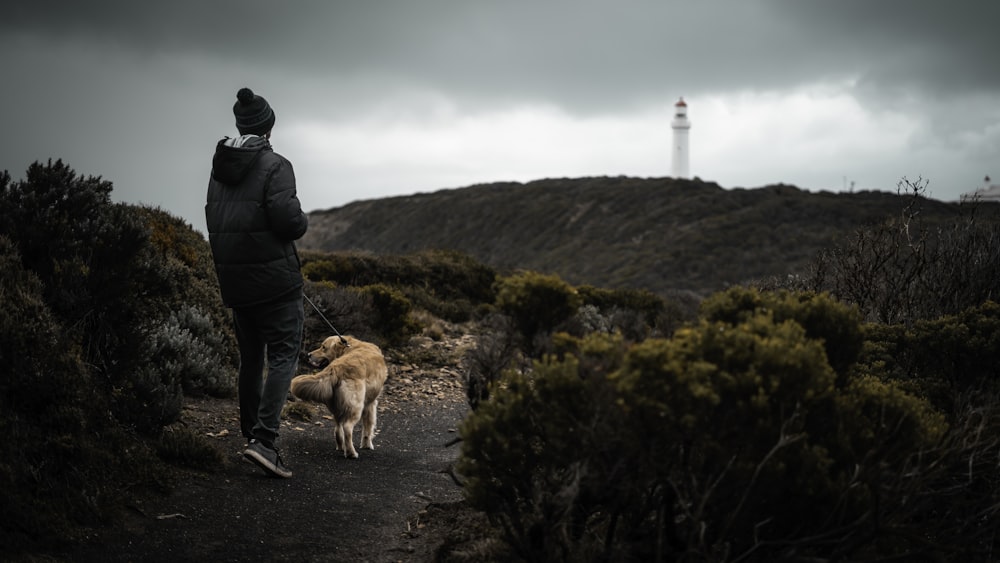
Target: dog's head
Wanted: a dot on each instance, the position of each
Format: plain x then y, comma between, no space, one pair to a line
331,349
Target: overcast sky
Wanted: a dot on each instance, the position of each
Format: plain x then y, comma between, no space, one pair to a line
377,98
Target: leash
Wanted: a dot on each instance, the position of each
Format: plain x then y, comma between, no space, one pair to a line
328,323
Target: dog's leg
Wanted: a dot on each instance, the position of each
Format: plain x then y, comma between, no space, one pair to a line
352,395
348,429
368,420
338,434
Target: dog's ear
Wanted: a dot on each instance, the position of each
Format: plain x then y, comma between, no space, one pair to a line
330,343
344,342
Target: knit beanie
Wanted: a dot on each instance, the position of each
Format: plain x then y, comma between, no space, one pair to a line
253,114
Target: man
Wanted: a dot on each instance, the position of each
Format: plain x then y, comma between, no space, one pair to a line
254,217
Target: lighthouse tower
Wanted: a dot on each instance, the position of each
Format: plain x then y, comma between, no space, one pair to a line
680,125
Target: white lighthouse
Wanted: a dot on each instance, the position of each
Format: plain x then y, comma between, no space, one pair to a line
681,125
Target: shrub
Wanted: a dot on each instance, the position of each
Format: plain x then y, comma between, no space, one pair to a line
824,319
172,334
186,349
448,274
42,365
495,352
337,269
636,314
180,272
148,398
186,448
94,281
349,310
735,419
880,418
390,313
956,481
61,224
729,441
537,303
448,284
943,357
534,456
588,319
110,271
68,461
455,310
907,269
81,246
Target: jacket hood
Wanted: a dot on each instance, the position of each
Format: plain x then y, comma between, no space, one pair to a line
235,157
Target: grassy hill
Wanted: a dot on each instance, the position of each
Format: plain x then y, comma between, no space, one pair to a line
659,234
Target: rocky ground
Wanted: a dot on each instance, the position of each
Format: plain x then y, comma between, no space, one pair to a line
399,502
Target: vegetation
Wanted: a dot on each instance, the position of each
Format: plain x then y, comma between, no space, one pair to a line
731,440
112,315
668,236
912,266
850,411
537,304
87,285
447,284
832,416
376,298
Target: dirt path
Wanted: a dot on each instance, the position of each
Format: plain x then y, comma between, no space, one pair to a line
332,509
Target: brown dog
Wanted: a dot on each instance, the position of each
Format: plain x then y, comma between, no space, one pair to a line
349,386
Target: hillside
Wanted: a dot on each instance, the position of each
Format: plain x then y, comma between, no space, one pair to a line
660,234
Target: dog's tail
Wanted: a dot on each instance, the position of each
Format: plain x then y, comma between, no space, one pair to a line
317,387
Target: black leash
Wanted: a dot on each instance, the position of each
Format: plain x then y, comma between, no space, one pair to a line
328,323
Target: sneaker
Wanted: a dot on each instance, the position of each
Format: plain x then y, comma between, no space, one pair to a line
266,458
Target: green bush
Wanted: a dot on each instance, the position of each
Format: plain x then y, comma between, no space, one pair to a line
96,286
148,398
183,354
448,284
636,314
69,234
876,416
537,303
181,273
173,334
728,441
390,313
42,365
187,348
825,319
68,461
111,270
943,357
450,274
83,248
334,268
538,456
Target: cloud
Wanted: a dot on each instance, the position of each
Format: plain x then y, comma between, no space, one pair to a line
584,53
391,97
444,147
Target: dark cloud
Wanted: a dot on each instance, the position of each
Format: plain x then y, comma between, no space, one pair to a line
584,55
101,82
930,48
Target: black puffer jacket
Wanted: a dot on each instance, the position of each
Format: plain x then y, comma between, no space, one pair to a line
253,216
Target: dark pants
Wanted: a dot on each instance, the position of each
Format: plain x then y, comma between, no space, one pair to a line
271,332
